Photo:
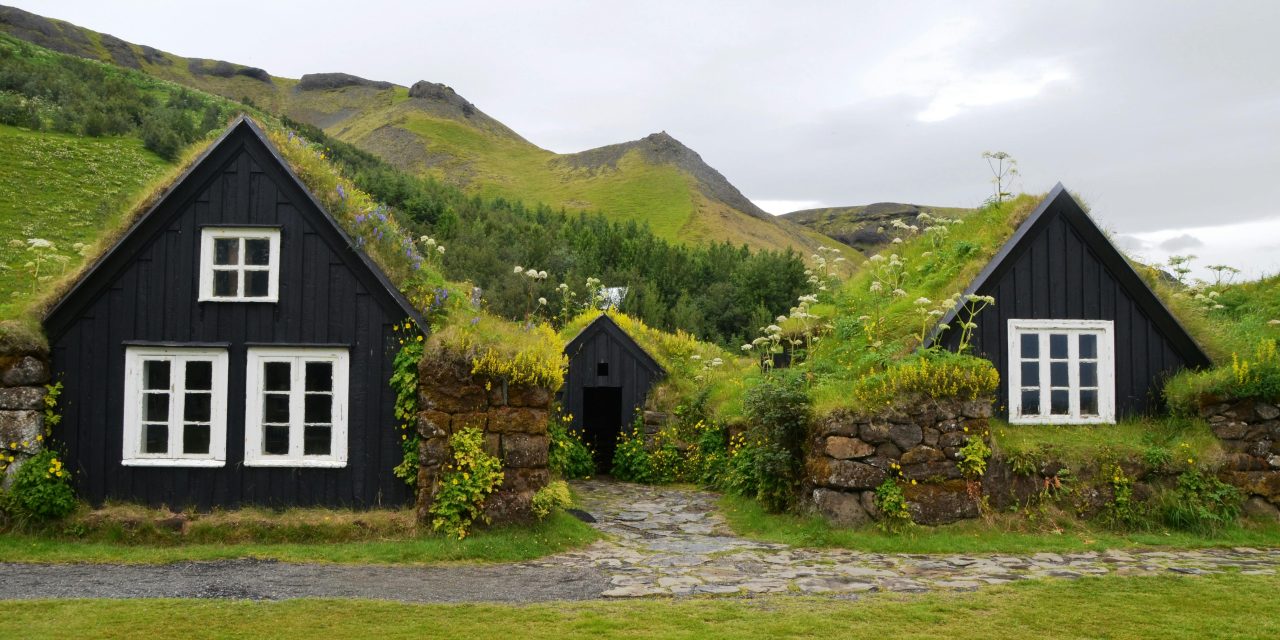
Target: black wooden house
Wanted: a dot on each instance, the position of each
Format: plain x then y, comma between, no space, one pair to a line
608,378
232,348
1077,336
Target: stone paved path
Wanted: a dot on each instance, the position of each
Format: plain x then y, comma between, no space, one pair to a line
672,542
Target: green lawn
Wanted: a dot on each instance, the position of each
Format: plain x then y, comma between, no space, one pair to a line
1227,606
509,544
1014,534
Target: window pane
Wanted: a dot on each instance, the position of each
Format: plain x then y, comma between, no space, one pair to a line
257,284
226,251
155,438
1058,345
224,284
276,407
1059,403
155,407
1057,374
1088,374
275,440
316,441
1031,402
1031,374
1030,345
1089,402
1088,346
197,406
257,251
199,375
319,376
276,376
318,407
195,438
155,374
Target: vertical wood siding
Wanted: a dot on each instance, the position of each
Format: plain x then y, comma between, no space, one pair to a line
629,368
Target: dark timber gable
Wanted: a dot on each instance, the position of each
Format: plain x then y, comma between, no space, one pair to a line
1059,265
144,291
629,368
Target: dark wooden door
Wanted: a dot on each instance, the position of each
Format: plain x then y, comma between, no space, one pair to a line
602,423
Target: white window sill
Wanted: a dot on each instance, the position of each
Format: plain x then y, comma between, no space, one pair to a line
294,462
172,462
270,300
1061,420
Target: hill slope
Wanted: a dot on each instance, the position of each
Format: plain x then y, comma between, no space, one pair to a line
431,130
867,228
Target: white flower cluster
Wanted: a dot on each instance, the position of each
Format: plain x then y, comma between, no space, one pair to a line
532,274
431,245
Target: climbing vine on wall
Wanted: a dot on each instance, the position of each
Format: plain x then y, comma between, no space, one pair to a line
404,382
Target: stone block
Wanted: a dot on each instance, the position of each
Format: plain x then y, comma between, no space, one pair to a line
506,506
1243,462
26,372
18,430
921,454
1230,430
534,397
655,417
1259,509
843,448
952,439
432,452
524,479
1259,483
874,432
931,471
493,444
517,420
869,504
1260,448
841,508
462,397
474,420
22,398
975,409
888,450
524,450
847,474
1266,411
935,504
931,436
906,434
433,424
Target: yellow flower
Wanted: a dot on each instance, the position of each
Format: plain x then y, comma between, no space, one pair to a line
913,482
419,338
403,436
1190,461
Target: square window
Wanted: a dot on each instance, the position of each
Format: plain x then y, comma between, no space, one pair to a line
239,264
257,284
275,408
257,251
199,375
1059,402
1030,374
1058,346
1078,361
1030,402
198,407
1088,374
175,407
1030,345
1089,402
318,408
226,251
297,416
1058,374
602,369
155,374
316,441
275,441
319,376
155,438
225,283
195,439
155,407
276,375
1088,346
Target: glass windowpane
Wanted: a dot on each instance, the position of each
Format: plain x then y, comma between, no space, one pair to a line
318,407
275,440
1089,402
225,284
275,407
1031,402
1030,345
319,376
155,438
257,284
257,251
195,439
155,407
1088,346
1088,374
155,374
1031,374
276,376
1058,345
226,251
316,441
1057,374
1059,402
199,375
197,407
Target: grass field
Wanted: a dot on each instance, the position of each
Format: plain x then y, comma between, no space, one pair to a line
1011,534
1225,606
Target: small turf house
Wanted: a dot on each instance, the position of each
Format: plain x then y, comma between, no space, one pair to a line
1077,336
608,378
231,348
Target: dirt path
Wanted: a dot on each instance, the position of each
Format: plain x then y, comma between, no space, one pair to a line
662,541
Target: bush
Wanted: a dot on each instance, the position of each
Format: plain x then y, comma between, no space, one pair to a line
1257,376
1201,503
778,410
42,488
631,462
550,498
465,485
569,457
932,374
892,502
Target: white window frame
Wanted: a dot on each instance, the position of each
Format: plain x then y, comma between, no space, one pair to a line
1104,329
253,436
132,453
207,237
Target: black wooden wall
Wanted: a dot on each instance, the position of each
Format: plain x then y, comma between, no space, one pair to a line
146,290
630,368
1063,267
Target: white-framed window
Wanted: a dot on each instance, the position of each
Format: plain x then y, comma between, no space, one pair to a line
296,407
239,264
175,407
1061,372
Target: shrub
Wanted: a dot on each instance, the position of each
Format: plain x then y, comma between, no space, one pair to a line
778,410
740,468
973,457
404,382
1121,511
42,488
1257,376
569,457
1201,503
892,503
465,485
631,462
550,498
932,374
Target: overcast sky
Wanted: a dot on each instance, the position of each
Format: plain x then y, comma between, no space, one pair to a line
1164,116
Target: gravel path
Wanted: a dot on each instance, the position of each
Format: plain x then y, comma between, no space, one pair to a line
662,541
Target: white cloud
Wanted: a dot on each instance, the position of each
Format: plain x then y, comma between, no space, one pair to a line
985,90
1253,247
779,207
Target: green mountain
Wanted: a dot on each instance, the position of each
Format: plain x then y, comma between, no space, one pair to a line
431,130
867,228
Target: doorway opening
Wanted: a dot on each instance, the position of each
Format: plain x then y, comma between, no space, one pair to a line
602,423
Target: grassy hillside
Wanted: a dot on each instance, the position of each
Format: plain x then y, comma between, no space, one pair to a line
431,130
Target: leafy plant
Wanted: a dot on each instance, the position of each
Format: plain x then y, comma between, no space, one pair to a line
42,488
465,485
892,503
1121,511
550,498
1201,503
973,457
778,410
404,382
568,457
631,462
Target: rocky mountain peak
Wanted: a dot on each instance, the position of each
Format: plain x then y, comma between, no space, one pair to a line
438,92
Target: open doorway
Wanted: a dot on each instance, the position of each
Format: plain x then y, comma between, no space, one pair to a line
602,423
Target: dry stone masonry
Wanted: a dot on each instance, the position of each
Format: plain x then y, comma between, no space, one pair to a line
512,417
22,380
851,454
1249,430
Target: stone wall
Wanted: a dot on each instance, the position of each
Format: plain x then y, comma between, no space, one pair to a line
850,454
1250,434
22,380
513,419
